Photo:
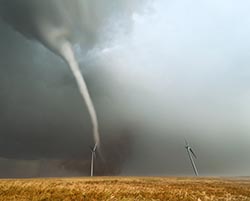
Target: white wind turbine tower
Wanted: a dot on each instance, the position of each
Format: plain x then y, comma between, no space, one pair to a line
93,156
190,153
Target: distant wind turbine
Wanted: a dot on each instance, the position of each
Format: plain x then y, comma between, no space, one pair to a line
190,153
93,156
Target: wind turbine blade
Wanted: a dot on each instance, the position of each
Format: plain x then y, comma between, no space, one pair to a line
95,147
186,142
192,151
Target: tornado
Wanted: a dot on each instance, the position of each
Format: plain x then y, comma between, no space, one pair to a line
68,54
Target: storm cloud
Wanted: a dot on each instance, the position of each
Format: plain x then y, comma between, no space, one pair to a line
179,70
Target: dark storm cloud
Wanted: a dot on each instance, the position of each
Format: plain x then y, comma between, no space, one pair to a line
49,21
42,113
181,72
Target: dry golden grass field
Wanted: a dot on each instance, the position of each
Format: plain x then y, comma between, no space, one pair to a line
125,189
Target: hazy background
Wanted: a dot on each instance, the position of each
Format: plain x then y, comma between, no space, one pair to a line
159,72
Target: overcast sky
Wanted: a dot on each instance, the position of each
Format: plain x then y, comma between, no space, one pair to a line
160,72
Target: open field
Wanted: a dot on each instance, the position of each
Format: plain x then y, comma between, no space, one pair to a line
125,189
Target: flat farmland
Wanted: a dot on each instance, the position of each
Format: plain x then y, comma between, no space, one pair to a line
125,189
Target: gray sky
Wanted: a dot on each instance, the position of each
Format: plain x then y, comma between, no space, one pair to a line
178,69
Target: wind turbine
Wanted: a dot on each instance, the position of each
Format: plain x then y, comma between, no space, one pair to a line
190,153
93,156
